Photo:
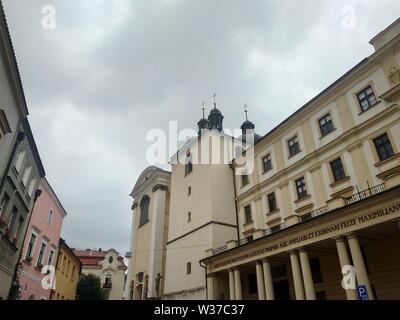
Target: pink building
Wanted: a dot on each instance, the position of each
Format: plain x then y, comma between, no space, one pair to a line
41,243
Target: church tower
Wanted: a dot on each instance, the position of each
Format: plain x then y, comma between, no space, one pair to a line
215,118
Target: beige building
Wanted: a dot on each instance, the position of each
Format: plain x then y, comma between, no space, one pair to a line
202,209
324,195
109,266
146,264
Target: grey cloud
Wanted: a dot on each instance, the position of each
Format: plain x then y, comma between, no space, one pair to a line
112,70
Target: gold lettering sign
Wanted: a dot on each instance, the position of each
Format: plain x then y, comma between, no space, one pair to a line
362,219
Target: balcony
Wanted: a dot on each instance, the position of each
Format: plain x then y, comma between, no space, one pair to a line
364,194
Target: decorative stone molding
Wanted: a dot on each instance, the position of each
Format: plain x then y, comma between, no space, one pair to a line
394,75
231,244
134,206
160,187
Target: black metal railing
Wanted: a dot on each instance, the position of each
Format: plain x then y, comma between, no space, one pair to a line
220,249
364,194
242,242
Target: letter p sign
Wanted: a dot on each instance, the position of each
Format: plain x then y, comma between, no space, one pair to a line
362,292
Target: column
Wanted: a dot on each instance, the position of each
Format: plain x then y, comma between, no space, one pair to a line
307,275
157,236
297,279
238,285
231,285
359,265
269,285
260,280
344,260
210,286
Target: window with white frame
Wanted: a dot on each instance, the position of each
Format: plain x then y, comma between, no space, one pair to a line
31,246
51,255
4,204
42,251
20,160
12,219
31,187
366,98
294,146
50,217
4,125
26,175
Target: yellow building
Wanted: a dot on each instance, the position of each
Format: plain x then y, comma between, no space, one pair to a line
146,271
67,274
324,195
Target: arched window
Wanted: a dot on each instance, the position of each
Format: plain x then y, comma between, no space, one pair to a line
144,210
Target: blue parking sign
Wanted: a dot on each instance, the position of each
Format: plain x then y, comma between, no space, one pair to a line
362,292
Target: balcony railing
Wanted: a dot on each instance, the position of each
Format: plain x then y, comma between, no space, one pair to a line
364,194
275,229
220,249
107,285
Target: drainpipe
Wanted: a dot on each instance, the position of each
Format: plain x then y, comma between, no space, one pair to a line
236,208
205,273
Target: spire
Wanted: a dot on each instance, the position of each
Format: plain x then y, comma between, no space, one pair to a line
215,117
247,125
203,122
215,102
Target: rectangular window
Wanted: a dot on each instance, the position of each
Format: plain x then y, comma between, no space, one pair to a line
4,204
41,255
267,163
272,202
31,245
366,98
337,169
73,273
12,219
50,260
189,217
247,214
188,163
326,125
245,180
294,146
316,270
301,188
383,147
188,268
189,191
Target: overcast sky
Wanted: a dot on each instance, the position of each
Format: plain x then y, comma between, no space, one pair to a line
114,69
